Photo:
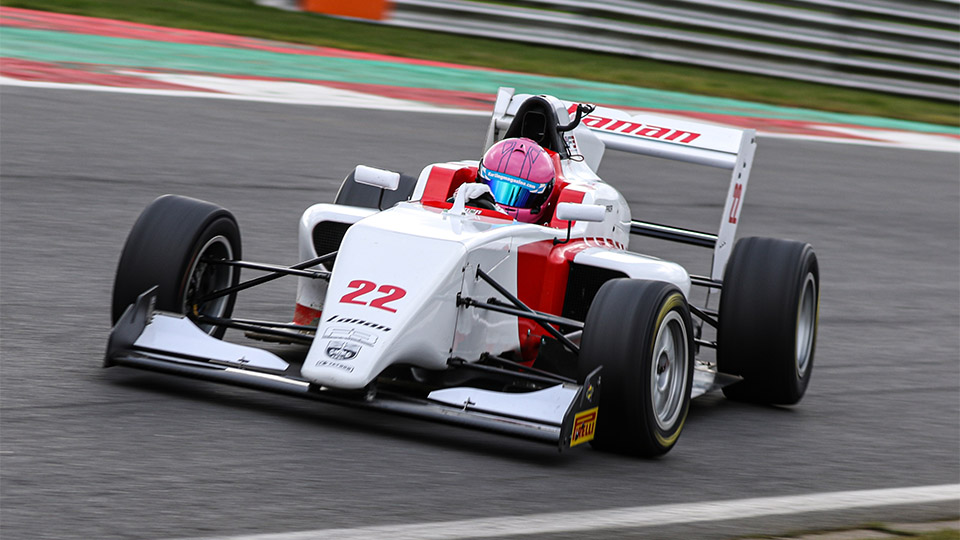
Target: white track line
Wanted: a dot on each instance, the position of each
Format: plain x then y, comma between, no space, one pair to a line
628,518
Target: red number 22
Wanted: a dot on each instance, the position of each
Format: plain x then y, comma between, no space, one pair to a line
390,294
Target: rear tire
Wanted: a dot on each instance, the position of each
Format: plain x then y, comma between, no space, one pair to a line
768,320
165,248
641,333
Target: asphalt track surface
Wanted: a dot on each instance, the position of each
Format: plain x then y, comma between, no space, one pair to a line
93,453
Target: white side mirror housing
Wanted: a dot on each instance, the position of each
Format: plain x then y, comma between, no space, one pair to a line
376,177
594,213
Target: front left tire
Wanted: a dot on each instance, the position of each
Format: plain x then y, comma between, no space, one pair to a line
170,246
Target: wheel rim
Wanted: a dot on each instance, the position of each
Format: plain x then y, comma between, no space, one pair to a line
806,324
204,278
669,370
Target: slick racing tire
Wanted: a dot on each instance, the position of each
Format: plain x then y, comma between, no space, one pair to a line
168,247
641,333
768,320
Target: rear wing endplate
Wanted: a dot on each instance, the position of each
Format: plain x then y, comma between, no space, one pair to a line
657,136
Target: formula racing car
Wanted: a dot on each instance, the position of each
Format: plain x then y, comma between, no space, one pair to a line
498,295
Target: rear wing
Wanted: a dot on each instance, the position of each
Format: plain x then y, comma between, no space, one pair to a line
657,136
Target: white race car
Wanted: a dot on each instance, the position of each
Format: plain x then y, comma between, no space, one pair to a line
421,296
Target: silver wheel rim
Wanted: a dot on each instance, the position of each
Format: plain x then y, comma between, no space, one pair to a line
668,377
806,324
204,278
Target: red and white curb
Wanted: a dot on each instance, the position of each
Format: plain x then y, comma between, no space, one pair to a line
314,93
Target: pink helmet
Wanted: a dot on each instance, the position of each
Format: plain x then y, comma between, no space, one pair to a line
520,175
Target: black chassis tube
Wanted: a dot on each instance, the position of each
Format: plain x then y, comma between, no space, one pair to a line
493,305
285,270
538,377
525,369
263,327
673,234
266,278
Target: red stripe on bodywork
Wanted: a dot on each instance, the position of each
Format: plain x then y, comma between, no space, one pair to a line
574,194
444,180
542,272
484,214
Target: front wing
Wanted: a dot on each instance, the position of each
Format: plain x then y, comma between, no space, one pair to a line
563,415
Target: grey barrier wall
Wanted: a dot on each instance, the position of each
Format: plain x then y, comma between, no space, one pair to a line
908,47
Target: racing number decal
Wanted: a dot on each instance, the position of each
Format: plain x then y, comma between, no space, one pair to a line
737,195
391,293
363,287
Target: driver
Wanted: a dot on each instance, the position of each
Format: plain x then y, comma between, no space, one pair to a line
520,175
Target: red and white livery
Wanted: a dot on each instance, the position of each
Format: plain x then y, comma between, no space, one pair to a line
416,297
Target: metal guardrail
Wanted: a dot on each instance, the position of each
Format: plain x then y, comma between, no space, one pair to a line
908,47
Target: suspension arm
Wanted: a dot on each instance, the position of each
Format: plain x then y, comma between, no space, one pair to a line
286,270
273,329
264,279
530,314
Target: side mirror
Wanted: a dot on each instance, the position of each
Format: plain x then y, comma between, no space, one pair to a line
594,213
378,178
571,212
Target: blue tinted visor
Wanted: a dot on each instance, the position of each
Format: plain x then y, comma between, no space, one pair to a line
513,191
